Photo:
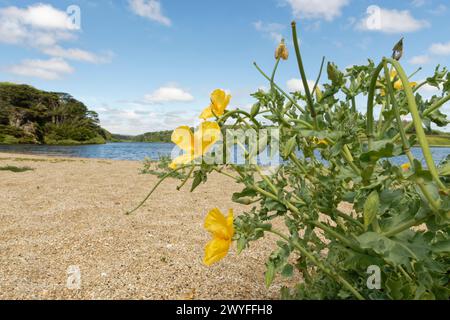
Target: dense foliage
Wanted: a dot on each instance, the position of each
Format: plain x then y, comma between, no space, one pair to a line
29,115
398,227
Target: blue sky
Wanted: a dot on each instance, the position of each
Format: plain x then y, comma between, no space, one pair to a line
147,65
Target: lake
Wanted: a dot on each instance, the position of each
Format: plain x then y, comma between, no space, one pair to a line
139,151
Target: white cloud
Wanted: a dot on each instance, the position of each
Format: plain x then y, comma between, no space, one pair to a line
420,60
36,25
168,94
150,9
390,21
441,49
78,54
418,3
51,69
272,30
141,119
317,9
295,85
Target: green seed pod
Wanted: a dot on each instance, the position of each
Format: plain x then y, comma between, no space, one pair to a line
371,209
255,109
290,147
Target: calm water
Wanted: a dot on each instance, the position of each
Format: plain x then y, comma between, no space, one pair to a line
139,151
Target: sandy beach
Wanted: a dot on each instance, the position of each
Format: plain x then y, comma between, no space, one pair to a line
70,212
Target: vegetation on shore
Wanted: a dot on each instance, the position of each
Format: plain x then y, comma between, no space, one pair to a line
15,169
32,116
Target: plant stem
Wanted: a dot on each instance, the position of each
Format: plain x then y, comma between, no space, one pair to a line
167,175
320,265
187,178
303,75
279,89
417,122
273,73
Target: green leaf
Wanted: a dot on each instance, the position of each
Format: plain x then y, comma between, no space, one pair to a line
290,146
371,207
199,177
270,274
287,271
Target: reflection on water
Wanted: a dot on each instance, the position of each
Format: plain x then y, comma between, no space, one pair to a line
139,151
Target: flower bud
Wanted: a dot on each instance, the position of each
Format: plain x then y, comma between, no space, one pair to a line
282,51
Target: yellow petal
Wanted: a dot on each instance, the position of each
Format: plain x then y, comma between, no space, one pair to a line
230,222
406,166
398,85
207,113
393,74
183,138
206,136
216,250
181,160
413,84
220,101
218,225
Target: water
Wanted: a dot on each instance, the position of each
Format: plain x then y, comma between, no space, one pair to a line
139,151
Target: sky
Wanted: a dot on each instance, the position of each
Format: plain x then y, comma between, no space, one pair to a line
150,65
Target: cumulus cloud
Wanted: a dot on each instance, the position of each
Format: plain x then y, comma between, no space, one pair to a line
150,9
420,60
441,49
390,21
168,94
317,9
78,55
295,85
51,69
140,119
43,27
272,30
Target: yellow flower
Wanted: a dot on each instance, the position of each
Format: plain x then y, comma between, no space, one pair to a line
318,141
406,166
195,145
398,85
219,102
282,51
222,230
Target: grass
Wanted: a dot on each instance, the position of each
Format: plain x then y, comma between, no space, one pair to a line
15,169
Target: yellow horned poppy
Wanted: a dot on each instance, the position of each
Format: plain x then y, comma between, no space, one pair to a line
398,85
222,230
195,145
406,166
219,102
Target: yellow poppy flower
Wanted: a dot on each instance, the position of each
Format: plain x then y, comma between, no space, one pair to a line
318,141
219,102
406,166
398,85
195,145
222,230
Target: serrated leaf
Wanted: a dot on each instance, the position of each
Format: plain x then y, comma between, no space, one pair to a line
371,207
270,274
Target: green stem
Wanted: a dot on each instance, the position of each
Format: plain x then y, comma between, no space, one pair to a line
303,75
320,265
370,105
417,122
279,89
430,110
242,112
187,178
167,175
272,79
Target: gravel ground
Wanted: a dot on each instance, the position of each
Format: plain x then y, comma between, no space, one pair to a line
70,212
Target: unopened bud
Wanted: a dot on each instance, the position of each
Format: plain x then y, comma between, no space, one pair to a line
282,51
